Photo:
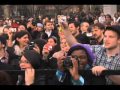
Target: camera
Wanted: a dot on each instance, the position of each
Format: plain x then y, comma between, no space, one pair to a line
30,46
62,19
67,63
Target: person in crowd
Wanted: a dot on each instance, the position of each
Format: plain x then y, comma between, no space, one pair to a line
83,37
116,18
49,49
8,33
39,44
107,55
101,18
21,27
4,56
108,20
51,46
14,24
38,32
64,45
48,29
74,28
79,57
5,60
97,33
15,51
29,62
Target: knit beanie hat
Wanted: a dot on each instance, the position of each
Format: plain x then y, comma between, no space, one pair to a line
40,43
33,57
89,52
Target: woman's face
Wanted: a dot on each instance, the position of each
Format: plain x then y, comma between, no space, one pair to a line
23,40
24,63
83,60
64,45
51,42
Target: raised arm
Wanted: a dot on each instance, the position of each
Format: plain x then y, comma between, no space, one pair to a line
68,35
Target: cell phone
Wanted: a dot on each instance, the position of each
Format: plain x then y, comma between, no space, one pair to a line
62,19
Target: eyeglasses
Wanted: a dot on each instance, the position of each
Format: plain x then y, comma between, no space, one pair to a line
24,62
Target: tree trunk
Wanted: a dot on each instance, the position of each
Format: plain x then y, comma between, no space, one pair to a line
6,10
86,8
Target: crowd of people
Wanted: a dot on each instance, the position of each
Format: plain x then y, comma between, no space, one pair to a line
67,45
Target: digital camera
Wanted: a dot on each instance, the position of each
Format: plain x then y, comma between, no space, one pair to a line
30,46
62,19
67,63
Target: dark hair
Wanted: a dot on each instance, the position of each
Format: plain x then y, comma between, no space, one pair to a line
108,15
40,43
114,28
86,48
33,57
54,38
99,25
77,24
21,34
48,22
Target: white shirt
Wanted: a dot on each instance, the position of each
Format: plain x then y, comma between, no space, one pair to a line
48,32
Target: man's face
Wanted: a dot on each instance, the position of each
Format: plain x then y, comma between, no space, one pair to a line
83,60
96,32
49,26
72,28
111,40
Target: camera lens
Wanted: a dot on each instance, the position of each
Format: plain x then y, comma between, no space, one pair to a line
67,63
30,46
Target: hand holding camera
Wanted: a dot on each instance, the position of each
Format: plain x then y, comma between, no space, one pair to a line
30,46
71,64
74,69
46,50
68,62
60,56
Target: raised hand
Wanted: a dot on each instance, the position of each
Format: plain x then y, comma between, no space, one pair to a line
74,70
29,76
